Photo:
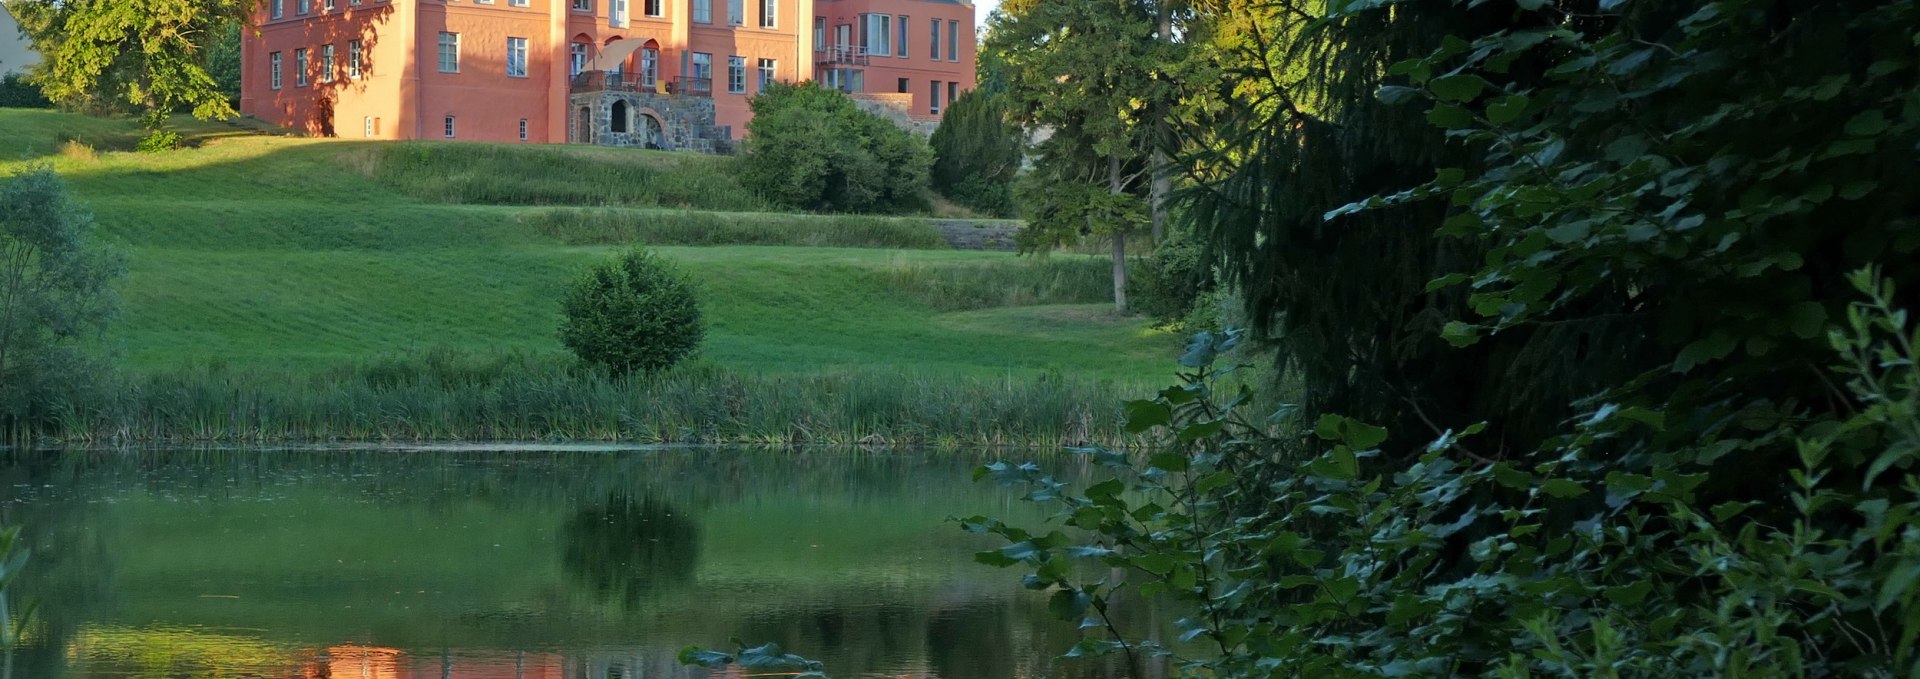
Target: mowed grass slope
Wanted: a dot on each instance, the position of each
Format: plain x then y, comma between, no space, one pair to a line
304,254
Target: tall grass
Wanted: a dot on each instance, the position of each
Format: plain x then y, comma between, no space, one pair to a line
446,397
1011,282
502,174
609,226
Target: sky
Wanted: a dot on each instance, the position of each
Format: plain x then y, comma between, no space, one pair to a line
981,8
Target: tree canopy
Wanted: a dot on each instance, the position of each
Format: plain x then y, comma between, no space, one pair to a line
147,55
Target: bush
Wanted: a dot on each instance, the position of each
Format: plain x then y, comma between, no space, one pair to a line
1171,285
16,92
158,141
56,292
976,153
636,313
811,148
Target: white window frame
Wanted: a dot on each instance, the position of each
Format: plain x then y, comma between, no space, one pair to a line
354,52
953,92
736,74
581,6
901,27
769,13
768,70
300,67
617,13
649,67
933,42
366,127
702,11
881,46
819,34
327,63
953,41
933,104
448,46
279,9
302,7
736,12
577,57
275,59
653,8
516,62
519,3
326,6
702,62
523,129
446,127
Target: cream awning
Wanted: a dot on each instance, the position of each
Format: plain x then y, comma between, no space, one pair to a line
616,53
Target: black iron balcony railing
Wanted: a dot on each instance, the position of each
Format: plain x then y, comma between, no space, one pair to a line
844,55
598,81
694,87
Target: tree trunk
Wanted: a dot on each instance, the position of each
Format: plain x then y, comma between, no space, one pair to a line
1119,240
1162,181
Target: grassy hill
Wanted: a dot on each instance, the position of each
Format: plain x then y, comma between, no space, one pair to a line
311,260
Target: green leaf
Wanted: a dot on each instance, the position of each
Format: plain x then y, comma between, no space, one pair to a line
1562,488
1201,430
1630,595
1308,557
1396,94
1460,334
1144,415
1173,462
1710,348
1460,88
1068,604
1507,109
1808,319
1448,116
1867,123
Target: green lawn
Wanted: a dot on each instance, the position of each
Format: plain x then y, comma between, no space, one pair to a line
259,251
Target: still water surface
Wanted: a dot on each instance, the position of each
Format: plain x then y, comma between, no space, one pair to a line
514,564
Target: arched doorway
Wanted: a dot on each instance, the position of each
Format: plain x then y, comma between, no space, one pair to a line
618,117
656,134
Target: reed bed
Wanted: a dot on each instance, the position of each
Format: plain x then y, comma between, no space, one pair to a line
1059,279
612,226
453,398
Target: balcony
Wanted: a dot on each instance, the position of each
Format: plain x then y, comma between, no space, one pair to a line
602,81
692,87
843,55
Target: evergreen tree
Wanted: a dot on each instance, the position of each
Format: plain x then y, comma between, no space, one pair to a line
976,153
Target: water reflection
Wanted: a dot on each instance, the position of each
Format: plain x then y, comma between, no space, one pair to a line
466,564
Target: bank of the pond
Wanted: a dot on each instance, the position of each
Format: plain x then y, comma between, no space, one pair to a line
541,400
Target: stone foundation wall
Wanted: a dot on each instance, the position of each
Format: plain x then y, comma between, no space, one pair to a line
686,123
896,108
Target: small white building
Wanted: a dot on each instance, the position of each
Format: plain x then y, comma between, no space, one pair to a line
16,52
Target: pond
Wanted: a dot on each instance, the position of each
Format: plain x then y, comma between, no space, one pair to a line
515,563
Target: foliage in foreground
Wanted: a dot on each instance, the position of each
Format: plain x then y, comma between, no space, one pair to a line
811,148
55,291
17,92
636,313
1562,562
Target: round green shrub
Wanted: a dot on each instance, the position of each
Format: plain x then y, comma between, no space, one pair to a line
635,313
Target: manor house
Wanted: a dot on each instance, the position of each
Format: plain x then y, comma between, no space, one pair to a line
672,74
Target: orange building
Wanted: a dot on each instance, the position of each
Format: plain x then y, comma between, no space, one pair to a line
672,73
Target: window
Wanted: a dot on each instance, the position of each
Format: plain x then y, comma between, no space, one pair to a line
582,5
275,59
842,37
934,107
649,66
617,117
449,127
905,86
655,8
477,2
518,3
769,13
449,53
366,126
737,75
326,63
900,33
302,7
736,12
279,8
300,67
819,34
934,40
326,6
702,66
768,68
353,59
953,41
579,52
703,11
523,129
953,92
876,34
516,57
617,12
